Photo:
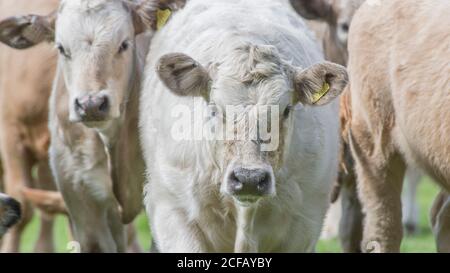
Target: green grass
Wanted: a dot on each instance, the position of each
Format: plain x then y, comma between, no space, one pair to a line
423,242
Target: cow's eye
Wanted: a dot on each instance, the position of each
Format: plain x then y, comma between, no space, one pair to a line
124,46
63,51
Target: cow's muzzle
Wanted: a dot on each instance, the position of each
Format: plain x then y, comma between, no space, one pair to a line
248,184
92,108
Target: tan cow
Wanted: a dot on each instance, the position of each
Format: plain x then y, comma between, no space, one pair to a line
399,79
331,25
25,85
95,153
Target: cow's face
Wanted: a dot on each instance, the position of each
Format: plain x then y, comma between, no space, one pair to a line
96,42
338,14
96,45
9,213
254,94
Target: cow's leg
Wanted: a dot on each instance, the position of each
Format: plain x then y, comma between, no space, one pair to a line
93,209
409,201
440,220
351,224
132,240
331,224
380,173
245,243
45,243
17,166
173,233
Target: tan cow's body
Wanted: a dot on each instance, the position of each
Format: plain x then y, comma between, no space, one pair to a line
399,69
25,86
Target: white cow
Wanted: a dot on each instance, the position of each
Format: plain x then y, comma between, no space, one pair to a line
208,193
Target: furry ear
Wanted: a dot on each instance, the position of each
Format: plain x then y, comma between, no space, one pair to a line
22,32
183,75
320,84
152,14
313,9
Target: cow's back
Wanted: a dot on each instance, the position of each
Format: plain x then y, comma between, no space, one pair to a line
400,69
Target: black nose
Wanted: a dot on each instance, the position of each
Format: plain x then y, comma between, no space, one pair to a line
13,212
92,108
250,182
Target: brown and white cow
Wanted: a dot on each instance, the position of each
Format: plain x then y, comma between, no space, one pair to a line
399,80
25,86
95,153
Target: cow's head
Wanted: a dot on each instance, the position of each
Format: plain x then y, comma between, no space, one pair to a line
9,213
263,90
96,42
338,14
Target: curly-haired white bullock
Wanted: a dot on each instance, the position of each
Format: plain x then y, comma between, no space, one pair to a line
208,194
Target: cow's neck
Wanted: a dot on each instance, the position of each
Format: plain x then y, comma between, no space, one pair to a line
245,241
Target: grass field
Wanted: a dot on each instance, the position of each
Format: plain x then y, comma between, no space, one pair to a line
423,242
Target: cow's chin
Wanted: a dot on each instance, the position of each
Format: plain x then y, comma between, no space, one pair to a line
247,201
97,124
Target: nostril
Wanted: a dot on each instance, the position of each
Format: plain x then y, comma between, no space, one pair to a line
78,104
104,105
236,184
264,182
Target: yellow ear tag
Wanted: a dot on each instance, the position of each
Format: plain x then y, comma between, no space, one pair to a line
162,16
319,94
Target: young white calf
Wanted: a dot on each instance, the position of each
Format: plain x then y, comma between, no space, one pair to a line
235,188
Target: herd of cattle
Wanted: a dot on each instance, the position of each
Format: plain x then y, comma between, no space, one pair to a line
87,121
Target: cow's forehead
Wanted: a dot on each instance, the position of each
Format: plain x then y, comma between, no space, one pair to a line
251,75
92,18
273,91
87,7
84,5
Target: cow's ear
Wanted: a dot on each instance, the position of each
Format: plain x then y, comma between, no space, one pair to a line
183,75
26,31
320,84
313,9
152,15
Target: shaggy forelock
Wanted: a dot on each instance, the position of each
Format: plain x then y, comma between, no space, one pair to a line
256,73
254,64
